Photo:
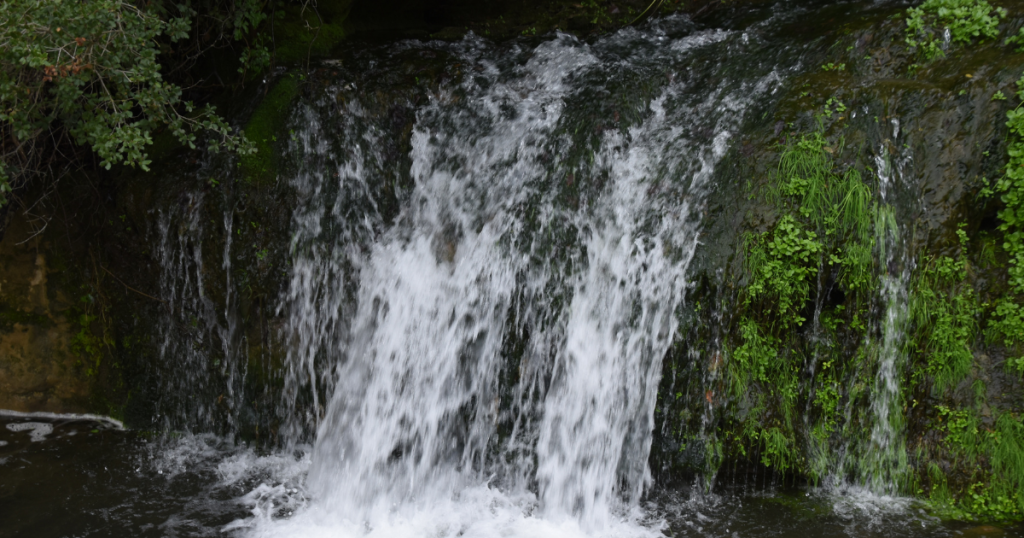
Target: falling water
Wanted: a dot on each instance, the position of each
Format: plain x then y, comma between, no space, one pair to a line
197,330
886,459
485,360
885,463
487,251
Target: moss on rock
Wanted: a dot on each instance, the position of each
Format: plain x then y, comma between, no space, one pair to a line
304,32
266,127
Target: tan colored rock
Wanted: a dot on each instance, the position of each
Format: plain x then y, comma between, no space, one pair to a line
38,370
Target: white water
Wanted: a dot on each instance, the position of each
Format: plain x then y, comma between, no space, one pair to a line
196,330
595,435
885,457
44,415
403,325
870,471
36,430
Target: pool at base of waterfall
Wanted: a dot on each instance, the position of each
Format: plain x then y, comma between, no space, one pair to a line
81,477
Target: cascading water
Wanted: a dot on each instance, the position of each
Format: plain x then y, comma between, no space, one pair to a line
879,462
197,330
886,458
529,224
595,434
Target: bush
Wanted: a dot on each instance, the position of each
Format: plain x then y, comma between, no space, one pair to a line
950,21
90,70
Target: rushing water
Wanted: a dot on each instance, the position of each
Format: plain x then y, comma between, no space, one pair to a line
585,240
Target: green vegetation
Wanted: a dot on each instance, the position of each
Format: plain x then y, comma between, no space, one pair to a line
993,461
11,316
803,365
937,23
983,447
1011,189
301,32
112,76
1007,322
944,309
988,464
823,211
1017,40
825,237
265,124
90,70
830,233
85,342
782,263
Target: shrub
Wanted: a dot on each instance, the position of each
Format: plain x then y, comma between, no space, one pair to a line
937,22
90,70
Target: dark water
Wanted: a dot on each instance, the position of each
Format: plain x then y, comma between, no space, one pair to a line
87,478
92,479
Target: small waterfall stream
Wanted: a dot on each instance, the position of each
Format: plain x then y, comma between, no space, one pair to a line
886,465
197,329
878,464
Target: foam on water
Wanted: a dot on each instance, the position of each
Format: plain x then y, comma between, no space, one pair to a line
43,415
867,506
478,511
37,430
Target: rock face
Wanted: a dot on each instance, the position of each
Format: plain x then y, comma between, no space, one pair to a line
39,371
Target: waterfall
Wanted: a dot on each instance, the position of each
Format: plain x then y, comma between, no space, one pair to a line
595,434
884,463
491,250
881,465
484,360
199,333
885,458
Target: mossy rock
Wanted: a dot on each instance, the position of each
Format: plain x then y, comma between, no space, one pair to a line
266,127
302,33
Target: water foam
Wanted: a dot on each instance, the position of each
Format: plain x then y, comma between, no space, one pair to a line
44,415
37,430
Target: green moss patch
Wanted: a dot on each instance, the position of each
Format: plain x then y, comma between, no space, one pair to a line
10,316
300,34
266,127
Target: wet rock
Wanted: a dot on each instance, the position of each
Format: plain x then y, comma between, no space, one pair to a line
981,530
38,370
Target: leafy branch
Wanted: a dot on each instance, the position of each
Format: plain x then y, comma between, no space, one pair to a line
91,69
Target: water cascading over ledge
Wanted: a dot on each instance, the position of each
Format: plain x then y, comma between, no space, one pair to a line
512,274
508,326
